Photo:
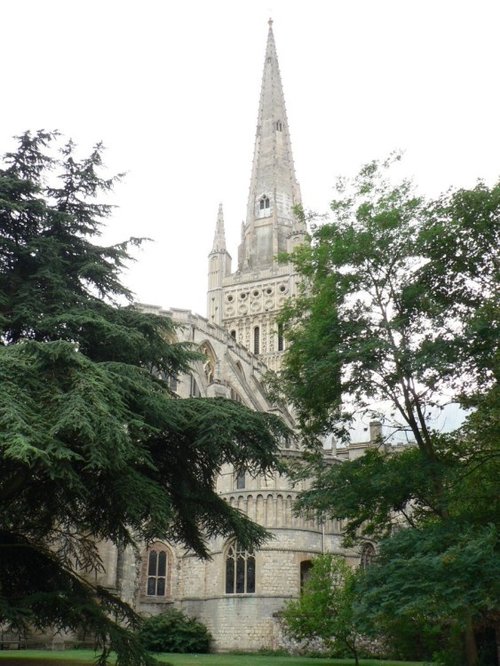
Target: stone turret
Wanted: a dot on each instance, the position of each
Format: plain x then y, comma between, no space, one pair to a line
219,265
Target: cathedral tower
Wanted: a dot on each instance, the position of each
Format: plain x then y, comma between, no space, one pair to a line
248,301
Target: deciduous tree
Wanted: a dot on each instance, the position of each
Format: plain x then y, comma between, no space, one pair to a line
398,317
325,607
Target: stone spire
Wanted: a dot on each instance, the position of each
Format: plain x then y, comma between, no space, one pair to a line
274,190
219,244
219,266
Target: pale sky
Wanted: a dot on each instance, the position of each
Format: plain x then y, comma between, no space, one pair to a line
172,89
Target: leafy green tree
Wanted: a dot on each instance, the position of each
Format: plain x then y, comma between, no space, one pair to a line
325,607
399,316
437,575
92,444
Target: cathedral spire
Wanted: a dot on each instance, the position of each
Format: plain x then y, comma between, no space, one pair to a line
274,190
219,243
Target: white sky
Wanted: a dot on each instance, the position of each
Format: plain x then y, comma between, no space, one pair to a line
172,89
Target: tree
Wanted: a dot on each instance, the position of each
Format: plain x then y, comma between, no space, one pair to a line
398,317
325,607
436,578
92,443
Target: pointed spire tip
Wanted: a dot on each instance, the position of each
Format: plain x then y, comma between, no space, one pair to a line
270,22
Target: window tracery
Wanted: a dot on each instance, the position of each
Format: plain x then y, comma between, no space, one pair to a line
240,570
367,555
157,570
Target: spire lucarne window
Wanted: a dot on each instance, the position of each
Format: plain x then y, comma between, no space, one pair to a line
264,203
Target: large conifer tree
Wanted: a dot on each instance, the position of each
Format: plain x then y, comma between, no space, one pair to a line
92,444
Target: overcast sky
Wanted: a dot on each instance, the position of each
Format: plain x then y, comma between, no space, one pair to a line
172,90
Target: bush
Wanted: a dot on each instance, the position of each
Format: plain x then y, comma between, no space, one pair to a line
173,631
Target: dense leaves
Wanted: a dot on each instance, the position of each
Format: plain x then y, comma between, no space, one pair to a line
325,607
433,583
92,443
172,631
399,317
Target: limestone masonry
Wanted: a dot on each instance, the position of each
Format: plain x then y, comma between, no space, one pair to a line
239,594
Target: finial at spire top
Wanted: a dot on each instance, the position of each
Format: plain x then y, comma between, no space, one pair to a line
270,22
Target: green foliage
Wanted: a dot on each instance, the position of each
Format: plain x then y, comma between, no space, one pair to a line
173,631
390,319
399,315
92,445
325,607
442,574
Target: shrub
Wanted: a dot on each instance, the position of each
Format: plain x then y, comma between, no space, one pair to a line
173,631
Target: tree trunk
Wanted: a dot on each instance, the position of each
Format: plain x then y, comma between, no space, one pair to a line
497,639
471,655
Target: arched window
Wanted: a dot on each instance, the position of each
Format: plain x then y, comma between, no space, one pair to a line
305,572
240,570
210,362
279,125
240,480
264,203
367,555
157,565
256,340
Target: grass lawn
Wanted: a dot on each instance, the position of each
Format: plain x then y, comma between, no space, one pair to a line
80,657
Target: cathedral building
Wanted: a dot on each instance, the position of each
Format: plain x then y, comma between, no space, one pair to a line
238,594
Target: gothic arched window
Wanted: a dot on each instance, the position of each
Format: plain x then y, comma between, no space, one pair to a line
240,480
157,570
367,555
240,570
210,361
264,203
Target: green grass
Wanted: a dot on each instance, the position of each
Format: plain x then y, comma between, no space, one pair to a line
61,657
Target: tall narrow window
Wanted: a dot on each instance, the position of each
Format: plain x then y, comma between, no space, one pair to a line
305,573
156,585
194,391
281,339
240,480
279,125
233,334
264,203
256,340
367,555
240,570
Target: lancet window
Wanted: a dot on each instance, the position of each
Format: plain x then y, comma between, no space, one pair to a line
240,570
367,555
157,567
264,203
